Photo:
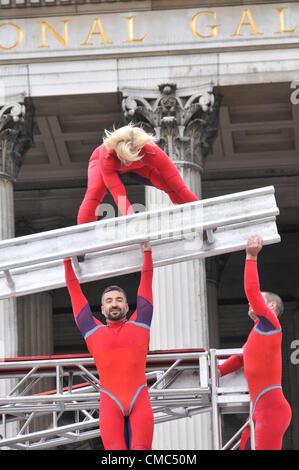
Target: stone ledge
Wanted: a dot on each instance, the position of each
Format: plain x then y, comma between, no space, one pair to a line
45,3
153,4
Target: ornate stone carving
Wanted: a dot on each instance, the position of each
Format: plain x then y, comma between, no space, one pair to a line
16,136
185,122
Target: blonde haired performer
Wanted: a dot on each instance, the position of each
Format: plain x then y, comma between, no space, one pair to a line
129,151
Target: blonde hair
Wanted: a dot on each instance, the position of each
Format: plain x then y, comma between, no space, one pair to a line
127,141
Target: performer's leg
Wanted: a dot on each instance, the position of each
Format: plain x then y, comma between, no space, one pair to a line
94,195
174,185
152,177
272,417
112,424
141,423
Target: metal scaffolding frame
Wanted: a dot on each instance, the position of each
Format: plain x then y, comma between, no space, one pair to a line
181,384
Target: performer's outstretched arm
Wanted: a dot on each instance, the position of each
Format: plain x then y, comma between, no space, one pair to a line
267,318
81,309
144,310
231,364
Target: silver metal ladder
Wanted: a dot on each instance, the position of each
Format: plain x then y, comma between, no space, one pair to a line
33,263
181,384
229,395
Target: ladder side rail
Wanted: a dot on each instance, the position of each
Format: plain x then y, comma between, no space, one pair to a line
216,418
103,265
229,396
204,371
229,198
128,230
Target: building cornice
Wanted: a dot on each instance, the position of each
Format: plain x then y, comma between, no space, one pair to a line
37,8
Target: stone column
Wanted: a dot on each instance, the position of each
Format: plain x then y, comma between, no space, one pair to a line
185,123
35,316
15,140
35,338
35,312
8,337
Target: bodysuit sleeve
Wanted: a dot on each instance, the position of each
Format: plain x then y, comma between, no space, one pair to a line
157,158
108,166
231,364
144,310
81,309
268,320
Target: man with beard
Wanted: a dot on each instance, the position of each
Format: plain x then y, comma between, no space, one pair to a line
119,349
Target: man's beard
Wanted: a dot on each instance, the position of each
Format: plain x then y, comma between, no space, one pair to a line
115,314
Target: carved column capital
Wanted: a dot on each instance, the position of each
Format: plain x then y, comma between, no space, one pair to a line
184,121
16,136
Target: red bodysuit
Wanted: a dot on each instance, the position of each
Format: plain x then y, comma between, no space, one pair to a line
262,369
119,350
105,172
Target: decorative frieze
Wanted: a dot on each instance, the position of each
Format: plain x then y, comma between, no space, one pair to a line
115,31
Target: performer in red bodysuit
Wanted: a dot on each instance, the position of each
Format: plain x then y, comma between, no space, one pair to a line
119,349
132,152
262,360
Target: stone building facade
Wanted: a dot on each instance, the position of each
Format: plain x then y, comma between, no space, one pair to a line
216,81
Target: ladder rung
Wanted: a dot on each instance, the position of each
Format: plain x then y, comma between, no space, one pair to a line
9,278
76,264
210,236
